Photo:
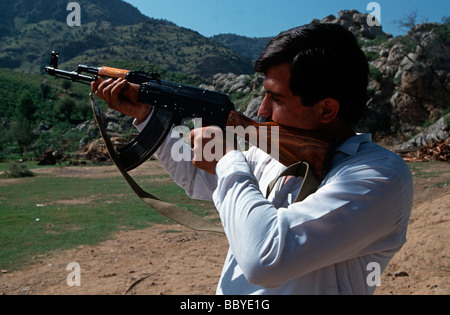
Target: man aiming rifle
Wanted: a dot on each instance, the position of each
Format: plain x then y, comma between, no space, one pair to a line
316,79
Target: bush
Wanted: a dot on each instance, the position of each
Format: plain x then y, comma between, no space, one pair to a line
375,74
18,170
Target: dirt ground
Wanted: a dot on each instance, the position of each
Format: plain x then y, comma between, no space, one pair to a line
172,260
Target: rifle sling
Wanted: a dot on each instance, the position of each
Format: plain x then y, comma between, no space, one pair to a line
182,216
300,169
170,211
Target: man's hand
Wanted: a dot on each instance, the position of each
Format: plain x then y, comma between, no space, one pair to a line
210,145
122,96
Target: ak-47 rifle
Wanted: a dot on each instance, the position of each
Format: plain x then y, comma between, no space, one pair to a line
303,152
173,102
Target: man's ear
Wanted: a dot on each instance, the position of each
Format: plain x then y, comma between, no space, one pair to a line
327,110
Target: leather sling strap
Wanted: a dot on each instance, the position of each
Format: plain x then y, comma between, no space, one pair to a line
300,169
170,211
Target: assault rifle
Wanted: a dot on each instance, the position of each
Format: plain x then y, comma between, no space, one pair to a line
173,102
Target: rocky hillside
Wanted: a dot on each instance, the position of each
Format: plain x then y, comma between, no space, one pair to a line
409,79
16,14
110,31
247,47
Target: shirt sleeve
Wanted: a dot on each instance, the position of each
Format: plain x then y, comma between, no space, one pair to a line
141,126
176,157
359,212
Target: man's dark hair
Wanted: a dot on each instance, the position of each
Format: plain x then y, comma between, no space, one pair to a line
325,61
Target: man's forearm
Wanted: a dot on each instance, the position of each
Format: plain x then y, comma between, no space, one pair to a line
198,184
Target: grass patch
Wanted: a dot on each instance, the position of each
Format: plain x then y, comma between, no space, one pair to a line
431,173
440,184
45,213
424,170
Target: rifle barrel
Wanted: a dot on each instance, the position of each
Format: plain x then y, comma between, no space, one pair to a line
73,76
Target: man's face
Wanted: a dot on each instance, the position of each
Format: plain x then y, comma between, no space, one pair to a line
283,107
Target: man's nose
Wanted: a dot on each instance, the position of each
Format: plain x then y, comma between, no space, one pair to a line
265,110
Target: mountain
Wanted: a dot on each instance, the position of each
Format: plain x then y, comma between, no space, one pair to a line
16,14
110,31
246,46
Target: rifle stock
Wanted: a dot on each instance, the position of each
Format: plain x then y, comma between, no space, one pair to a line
294,145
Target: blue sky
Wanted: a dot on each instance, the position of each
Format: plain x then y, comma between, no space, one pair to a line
259,18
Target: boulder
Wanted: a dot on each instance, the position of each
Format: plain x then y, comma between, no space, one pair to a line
440,130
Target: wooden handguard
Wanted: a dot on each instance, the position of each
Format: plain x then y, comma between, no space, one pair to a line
113,73
294,144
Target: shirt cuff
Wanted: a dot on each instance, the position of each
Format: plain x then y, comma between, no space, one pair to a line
141,126
232,162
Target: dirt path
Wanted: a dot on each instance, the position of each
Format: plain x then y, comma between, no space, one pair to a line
168,260
174,260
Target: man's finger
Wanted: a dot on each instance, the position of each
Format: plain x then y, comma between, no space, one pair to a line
106,88
117,88
100,87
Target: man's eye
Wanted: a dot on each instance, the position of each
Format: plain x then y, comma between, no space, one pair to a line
275,99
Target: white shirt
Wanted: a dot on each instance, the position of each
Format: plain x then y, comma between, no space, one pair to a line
326,244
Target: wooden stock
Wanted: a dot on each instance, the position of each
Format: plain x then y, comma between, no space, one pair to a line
294,144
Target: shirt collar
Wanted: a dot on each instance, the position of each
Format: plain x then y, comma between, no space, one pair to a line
351,146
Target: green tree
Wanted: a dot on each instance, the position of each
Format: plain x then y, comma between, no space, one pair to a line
66,107
26,107
66,85
84,109
45,90
22,133
3,138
